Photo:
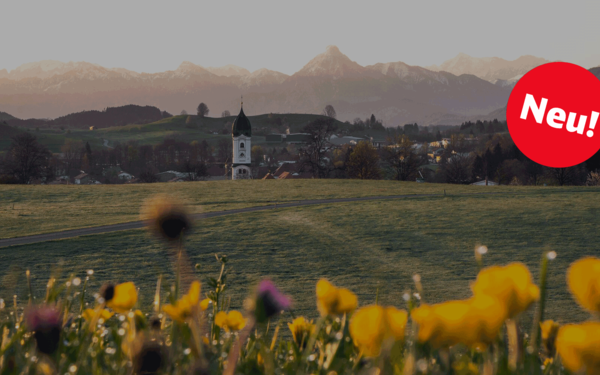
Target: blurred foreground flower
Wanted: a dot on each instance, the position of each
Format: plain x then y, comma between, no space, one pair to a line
371,325
121,298
270,301
583,279
549,329
334,301
232,321
149,356
579,347
511,285
46,324
204,304
301,330
104,314
183,308
472,322
166,218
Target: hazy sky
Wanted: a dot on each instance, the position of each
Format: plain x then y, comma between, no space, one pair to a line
151,36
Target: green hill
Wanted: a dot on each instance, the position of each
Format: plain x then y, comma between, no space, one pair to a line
186,128
7,132
5,116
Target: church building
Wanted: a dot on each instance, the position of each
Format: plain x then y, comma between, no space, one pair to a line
241,133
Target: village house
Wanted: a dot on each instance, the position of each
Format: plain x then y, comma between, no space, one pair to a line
82,179
124,176
170,175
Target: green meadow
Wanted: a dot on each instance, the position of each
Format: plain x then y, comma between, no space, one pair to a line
372,247
176,127
35,209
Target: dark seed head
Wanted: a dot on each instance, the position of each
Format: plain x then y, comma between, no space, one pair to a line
150,358
155,323
107,292
173,224
166,218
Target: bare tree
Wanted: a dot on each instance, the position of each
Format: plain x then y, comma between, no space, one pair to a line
402,158
202,110
195,170
72,152
593,179
363,162
329,111
183,112
225,113
313,153
258,154
574,175
224,150
147,177
457,168
26,159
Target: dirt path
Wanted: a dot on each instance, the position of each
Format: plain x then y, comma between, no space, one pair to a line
139,224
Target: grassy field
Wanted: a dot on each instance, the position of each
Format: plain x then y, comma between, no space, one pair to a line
27,210
366,246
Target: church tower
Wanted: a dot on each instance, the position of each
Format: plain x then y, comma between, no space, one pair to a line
241,133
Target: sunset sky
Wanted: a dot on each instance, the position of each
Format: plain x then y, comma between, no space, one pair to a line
153,36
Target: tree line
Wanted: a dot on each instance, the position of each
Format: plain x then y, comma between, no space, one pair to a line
462,160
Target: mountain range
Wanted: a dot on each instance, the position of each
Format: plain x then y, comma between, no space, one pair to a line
491,69
460,89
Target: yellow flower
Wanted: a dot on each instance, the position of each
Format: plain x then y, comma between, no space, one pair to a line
511,284
583,279
396,322
334,301
183,308
232,321
371,325
579,347
124,298
549,329
204,304
301,330
88,314
221,319
473,322
441,324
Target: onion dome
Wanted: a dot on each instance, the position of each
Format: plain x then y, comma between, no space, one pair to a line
241,125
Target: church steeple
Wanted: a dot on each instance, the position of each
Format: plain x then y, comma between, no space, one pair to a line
241,124
241,133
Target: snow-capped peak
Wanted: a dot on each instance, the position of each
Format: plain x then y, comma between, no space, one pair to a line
228,70
48,68
330,63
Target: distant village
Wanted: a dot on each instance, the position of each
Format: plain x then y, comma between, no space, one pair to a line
479,153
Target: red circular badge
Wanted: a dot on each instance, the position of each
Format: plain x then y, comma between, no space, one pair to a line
553,114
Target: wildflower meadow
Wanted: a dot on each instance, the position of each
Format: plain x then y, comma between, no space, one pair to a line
192,329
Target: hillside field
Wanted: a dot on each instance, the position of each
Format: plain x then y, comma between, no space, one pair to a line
371,247
173,127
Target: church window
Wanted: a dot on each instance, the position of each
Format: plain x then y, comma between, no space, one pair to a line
242,155
242,145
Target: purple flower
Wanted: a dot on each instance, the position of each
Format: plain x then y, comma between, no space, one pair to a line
270,301
46,324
